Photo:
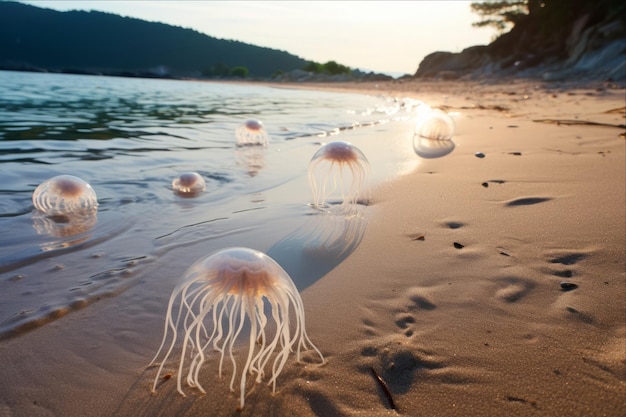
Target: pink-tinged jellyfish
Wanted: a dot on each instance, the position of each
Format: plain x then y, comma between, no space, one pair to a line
252,133
65,196
188,184
220,295
339,171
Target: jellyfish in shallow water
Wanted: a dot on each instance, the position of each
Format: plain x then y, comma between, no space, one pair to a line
338,169
188,184
65,196
252,133
219,295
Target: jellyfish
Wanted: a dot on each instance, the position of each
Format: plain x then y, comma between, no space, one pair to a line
433,133
188,184
338,167
222,292
65,196
434,124
252,133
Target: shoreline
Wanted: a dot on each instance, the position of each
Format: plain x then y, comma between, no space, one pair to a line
482,327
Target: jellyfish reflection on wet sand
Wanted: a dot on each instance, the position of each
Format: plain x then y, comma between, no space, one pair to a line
338,169
252,133
433,133
219,295
188,184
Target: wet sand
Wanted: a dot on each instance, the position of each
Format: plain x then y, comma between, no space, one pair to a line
488,286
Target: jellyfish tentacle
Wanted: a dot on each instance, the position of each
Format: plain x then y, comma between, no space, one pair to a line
299,310
190,316
173,326
317,191
224,305
233,336
207,343
186,339
271,347
257,365
304,341
281,358
199,357
249,306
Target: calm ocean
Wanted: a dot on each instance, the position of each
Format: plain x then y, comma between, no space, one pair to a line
129,138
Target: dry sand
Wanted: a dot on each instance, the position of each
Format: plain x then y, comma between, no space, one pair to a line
480,328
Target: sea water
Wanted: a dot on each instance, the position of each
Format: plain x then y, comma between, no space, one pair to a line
129,138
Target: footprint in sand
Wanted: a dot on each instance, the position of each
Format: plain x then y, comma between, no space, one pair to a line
404,320
566,273
398,364
526,201
407,310
568,259
369,327
513,289
416,301
576,314
453,224
565,259
486,183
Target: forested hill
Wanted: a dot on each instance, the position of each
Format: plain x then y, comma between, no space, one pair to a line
33,38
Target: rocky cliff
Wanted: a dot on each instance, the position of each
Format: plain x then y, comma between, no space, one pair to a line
588,45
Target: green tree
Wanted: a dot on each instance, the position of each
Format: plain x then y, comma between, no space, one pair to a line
239,71
314,67
333,68
500,14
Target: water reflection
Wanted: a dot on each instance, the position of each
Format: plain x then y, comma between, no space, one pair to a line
62,227
320,244
432,148
251,158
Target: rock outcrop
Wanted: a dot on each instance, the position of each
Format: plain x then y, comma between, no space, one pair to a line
589,46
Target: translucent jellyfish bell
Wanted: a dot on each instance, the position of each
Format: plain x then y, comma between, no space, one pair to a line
338,169
433,133
252,133
66,196
434,124
188,184
219,295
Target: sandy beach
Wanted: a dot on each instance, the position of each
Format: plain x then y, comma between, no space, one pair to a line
488,282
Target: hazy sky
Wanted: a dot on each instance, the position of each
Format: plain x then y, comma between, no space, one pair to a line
382,36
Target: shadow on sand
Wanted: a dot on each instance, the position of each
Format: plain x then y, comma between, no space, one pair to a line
319,245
